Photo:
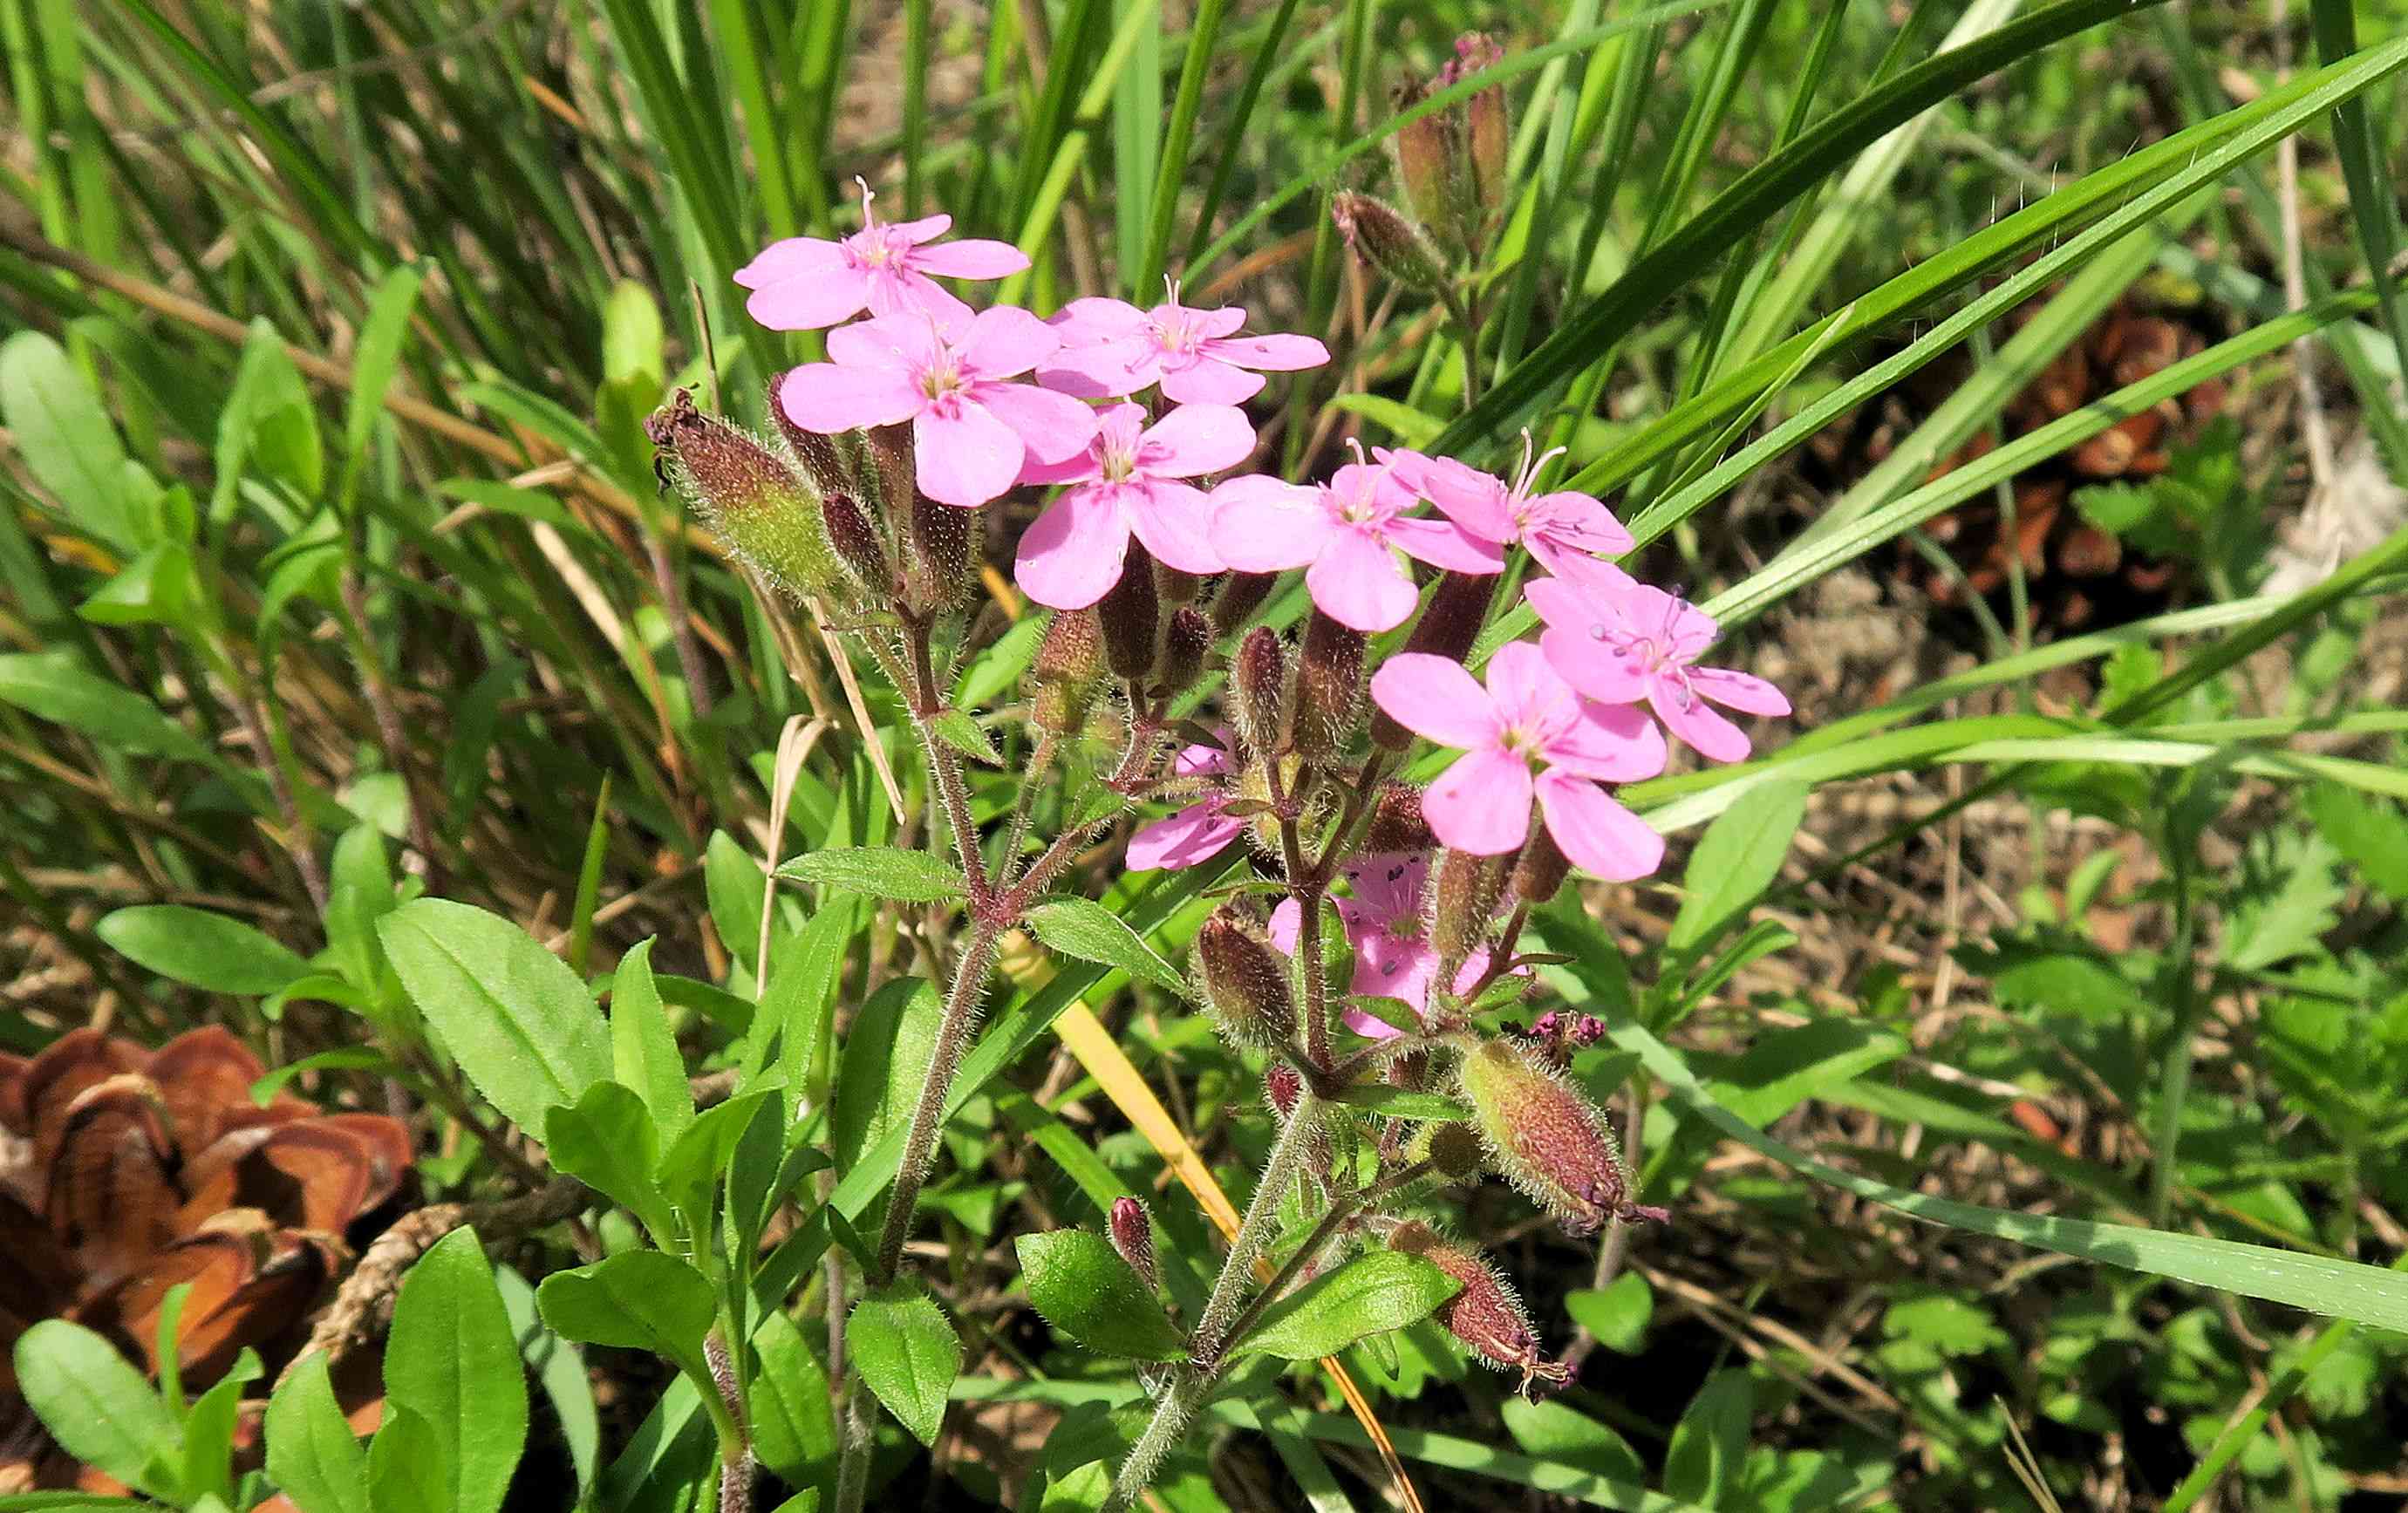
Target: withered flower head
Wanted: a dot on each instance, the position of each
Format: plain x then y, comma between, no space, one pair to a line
1547,1139
1486,1315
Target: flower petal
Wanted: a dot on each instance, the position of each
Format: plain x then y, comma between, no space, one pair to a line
1470,498
1072,554
1599,836
1694,720
1175,523
1204,381
965,458
901,292
1437,698
1107,370
1195,834
1086,323
1445,544
809,301
1277,353
1614,743
1578,522
790,258
1357,581
1287,925
1594,669
1387,966
1481,805
1743,692
1195,439
901,342
1528,693
1263,525
828,397
1005,342
926,229
971,258
1053,427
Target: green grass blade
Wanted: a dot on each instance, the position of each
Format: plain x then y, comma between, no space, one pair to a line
1177,137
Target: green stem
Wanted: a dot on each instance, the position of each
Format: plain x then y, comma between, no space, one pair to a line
2174,1084
1253,1231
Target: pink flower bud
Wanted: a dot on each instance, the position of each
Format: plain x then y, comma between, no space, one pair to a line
1132,1236
1069,672
1244,980
1282,1085
1383,238
1328,687
1396,824
1486,1315
1463,905
1547,1139
1540,871
1131,613
1241,595
1259,678
941,552
1185,642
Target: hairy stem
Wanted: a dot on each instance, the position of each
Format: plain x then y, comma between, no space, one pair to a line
1254,1230
1340,1214
929,1117
1172,1417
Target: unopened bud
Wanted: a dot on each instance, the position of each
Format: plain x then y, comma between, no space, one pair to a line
1540,871
1132,1236
1382,237
1283,1085
1463,903
1258,680
1069,672
1131,614
1241,595
1486,1315
1396,824
1547,1139
1184,643
1328,687
765,511
1488,127
822,458
1175,587
857,540
1411,1071
888,468
1244,979
1452,1148
1428,153
941,550
1447,628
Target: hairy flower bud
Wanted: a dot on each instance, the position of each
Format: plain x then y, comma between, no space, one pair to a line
1258,678
1547,1139
1486,1315
1241,595
1463,903
1452,1148
1175,587
1184,643
1427,152
1396,824
1132,1236
1447,629
822,458
1283,1085
1540,871
1328,687
1131,614
768,513
941,549
1069,672
1486,130
1382,237
1244,979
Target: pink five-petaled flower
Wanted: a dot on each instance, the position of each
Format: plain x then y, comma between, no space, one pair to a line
1111,349
1195,834
1620,642
1553,526
1384,921
803,283
1129,481
971,431
1526,715
1345,534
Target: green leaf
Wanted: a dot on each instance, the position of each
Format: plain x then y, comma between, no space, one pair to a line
155,588
643,1049
1082,1287
958,730
1085,929
909,1355
374,359
516,1019
202,949
267,421
1736,860
559,1367
1710,1443
210,1430
409,1469
1413,427
1617,1315
49,687
452,1361
1400,1102
98,1408
58,425
607,1142
2373,836
886,1060
794,1422
882,871
640,1300
1368,1295
1559,1434
1082,1491
691,1167
737,890
312,1455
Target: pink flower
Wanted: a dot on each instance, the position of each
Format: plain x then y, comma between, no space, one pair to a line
1345,534
1526,715
1128,481
1553,526
970,431
1384,921
803,283
1111,347
1196,833
1620,642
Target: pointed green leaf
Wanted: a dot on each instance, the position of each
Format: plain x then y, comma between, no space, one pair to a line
1368,1295
452,1362
909,1355
1082,1287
